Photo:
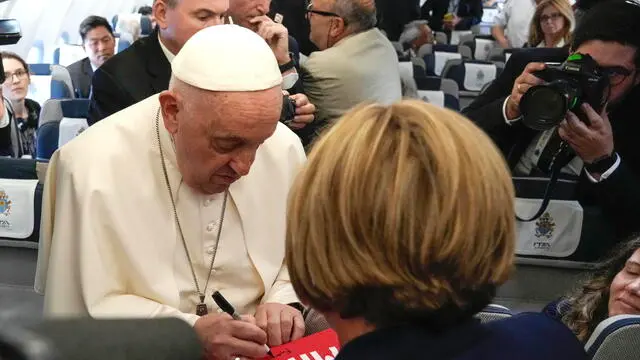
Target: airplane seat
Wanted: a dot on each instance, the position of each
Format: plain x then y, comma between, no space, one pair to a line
437,61
442,92
49,82
146,27
67,54
471,76
493,312
617,337
20,212
60,122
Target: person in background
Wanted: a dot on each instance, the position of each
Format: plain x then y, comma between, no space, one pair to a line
128,27
393,15
144,69
148,11
145,10
613,289
415,34
452,14
100,45
252,14
552,24
293,17
356,62
20,116
511,29
608,160
392,285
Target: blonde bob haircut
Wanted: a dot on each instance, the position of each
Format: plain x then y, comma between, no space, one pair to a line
536,36
403,213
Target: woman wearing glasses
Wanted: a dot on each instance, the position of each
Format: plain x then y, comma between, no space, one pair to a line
552,24
18,125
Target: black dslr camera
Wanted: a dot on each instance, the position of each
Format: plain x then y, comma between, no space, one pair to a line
576,81
567,86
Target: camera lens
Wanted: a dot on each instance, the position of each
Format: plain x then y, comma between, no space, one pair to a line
544,107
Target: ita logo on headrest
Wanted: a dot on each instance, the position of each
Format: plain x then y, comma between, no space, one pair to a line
5,203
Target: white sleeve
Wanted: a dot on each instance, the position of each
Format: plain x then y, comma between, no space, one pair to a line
503,15
83,272
4,121
605,174
504,113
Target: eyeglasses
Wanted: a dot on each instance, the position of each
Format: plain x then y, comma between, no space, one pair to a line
321,13
545,18
617,74
20,74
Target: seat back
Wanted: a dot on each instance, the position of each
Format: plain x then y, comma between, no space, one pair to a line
47,140
146,27
458,36
122,45
49,82
441,38
471,76
20,203
494,312
67,54
437,61
443,92
55,112
617,337
482,47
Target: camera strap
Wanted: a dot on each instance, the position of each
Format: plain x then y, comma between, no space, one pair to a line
546,198
561,158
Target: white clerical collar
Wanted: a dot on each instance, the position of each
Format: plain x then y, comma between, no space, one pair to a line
168,54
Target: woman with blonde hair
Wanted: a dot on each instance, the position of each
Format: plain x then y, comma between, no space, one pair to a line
552,24
613,289
400,228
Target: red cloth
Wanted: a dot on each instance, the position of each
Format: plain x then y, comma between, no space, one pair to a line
320,346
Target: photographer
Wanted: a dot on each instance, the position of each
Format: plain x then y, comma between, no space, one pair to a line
605,144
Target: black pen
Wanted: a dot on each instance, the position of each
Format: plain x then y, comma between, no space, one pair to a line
225,306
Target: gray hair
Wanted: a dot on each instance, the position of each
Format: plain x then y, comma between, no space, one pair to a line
359,15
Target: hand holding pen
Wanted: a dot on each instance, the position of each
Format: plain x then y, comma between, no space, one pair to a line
225,306
224,337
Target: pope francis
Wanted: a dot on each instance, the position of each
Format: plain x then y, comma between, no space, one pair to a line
149,212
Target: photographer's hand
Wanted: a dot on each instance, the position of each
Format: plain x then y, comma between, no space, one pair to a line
590,142
523,83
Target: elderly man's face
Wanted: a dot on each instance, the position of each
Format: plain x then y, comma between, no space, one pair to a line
242,11
218,135
187,18
322,23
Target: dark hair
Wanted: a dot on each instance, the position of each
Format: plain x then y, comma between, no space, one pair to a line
615,21
14,56
91,23
589,305
145,10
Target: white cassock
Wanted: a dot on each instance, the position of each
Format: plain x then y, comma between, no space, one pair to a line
109,243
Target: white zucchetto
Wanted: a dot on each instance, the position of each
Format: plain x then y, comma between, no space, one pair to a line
227,58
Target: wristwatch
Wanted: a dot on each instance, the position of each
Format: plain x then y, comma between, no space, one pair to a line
600,166
288,65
